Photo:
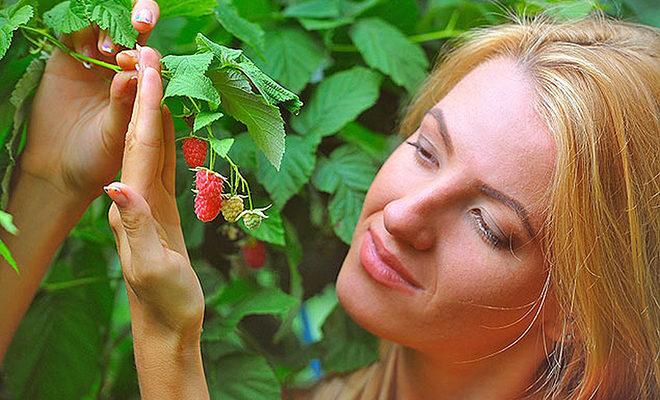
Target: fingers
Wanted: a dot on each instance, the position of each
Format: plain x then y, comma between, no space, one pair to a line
169,165
127,59
105,45
144,17
144,138
115,123
139,226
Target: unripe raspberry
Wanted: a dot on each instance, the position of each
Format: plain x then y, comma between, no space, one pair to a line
254,253
232,208
194,152
252,221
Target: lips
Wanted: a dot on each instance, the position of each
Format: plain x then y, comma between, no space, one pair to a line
383,265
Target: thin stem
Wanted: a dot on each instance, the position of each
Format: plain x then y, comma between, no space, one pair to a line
70,52
51,287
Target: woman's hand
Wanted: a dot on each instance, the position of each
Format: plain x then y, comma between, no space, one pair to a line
78,120
164,291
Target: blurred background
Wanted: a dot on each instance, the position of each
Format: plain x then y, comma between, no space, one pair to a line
272,319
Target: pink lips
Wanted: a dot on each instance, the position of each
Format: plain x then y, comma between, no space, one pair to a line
384,266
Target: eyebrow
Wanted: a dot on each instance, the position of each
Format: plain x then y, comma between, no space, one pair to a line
486,189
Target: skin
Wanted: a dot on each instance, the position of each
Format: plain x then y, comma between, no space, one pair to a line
74,146
419,206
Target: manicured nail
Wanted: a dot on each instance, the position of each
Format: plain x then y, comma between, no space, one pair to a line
87,51
116,194
107,45
144,16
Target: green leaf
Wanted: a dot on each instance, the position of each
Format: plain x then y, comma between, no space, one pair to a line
337,101
318,309
188,79
223,55
313,9
291,57
344,209
385,48
63,20
6,254
296,169
242,376
272,91
186,8
28,83
205,118
244,153
346,345
348,175
246,31
373,143
221,146
115,16
263,121
10,19
347,166
271,229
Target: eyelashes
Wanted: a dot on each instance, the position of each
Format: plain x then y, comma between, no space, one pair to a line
426,158
422,154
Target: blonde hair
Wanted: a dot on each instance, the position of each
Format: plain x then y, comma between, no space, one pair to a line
598,85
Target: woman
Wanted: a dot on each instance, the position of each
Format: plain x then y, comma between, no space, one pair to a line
505,250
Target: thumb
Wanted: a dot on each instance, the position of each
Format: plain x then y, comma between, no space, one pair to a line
139,225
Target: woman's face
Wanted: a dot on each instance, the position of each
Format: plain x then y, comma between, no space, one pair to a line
459,209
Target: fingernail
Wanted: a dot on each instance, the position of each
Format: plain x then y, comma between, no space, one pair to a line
137,67
116,194
144,16
107,45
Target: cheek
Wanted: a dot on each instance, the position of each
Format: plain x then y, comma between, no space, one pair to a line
389,183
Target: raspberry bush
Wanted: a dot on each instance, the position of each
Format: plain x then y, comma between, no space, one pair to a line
288,180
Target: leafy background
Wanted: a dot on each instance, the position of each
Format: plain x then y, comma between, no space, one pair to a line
354,65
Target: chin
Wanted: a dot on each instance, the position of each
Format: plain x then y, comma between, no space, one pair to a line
370,305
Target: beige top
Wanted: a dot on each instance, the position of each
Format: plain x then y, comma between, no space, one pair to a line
375,382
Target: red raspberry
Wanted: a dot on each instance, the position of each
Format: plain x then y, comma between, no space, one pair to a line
208,189
207,207
254,253
194,152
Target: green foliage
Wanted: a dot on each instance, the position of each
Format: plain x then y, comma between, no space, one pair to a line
240,68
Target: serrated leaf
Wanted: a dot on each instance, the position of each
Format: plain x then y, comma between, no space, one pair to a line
205,118
270,230
10,19
188,79
296,168
242,376
28,83
313,9
263,121
221,146
115,16
223,55
272,91
338,100
348,166
373,143
385,48
290,56
62,19
246,31
344,209
186,8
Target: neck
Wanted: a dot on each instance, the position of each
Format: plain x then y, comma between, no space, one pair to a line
423,375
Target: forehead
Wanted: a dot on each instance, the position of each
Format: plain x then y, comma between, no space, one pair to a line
498,135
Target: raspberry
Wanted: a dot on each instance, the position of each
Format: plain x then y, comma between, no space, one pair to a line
207,208
194,152
208,182
252,221
208,199
254,253
232,208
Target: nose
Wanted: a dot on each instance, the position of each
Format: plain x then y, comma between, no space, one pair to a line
415,217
